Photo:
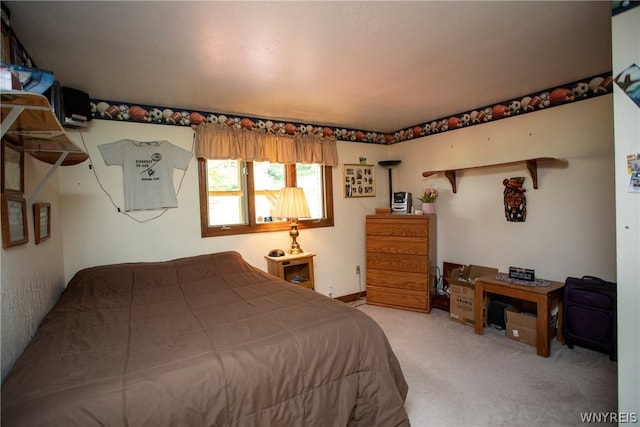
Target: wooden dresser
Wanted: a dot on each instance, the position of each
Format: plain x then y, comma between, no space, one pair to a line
401,256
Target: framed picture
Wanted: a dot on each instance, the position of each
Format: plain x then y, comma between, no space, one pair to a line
42,221
12,168
359,180
629,81
14,220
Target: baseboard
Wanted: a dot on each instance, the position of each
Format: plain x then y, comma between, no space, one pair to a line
352,297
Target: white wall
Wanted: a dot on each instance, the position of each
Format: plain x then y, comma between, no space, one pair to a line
626,51
570,224
32,276
95,233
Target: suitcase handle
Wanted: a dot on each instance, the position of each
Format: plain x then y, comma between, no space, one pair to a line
593,279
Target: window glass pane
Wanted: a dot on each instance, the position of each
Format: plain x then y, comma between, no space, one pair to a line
268,179
239,197
310,179
226,192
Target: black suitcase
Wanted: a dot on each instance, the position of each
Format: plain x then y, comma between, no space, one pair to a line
589,314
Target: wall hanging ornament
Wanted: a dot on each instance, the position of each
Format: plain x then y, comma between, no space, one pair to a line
515,202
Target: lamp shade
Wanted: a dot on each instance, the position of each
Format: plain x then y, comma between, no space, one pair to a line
292,204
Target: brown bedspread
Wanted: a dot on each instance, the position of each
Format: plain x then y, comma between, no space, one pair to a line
202,341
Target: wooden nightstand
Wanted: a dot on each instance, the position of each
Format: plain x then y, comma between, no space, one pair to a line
297,269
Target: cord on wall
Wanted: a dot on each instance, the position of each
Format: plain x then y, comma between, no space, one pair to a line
360,301
439,282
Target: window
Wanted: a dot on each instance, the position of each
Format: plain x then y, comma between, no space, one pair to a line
239,197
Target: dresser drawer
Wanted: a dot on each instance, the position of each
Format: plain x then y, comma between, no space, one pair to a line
404,263
398,245
413,226
402,299
398,280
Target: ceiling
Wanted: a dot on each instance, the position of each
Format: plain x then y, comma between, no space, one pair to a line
378,66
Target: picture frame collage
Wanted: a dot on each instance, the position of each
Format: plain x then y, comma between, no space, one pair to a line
359,180
13,205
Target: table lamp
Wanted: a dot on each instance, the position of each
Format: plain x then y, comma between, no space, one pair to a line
292,204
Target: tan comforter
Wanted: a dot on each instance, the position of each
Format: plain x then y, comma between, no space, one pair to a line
202,341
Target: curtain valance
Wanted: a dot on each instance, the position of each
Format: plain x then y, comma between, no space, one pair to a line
220,142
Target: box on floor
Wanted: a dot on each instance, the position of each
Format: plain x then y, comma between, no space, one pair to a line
462,292
522,325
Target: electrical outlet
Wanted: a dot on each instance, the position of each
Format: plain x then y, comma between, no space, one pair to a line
357,269
330,291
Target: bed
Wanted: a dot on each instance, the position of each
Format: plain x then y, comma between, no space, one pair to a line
204,340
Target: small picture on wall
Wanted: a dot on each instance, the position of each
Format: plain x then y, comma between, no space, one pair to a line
634,183
359,180
14,220
12,168
629,82
633,165
42,221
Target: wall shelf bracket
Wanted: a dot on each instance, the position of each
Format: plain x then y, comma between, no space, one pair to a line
46,179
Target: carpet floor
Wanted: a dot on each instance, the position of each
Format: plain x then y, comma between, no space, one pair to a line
458,378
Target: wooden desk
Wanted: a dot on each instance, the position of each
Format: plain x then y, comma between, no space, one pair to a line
544,297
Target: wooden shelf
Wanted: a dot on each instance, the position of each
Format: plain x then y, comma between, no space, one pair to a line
531,164
29,123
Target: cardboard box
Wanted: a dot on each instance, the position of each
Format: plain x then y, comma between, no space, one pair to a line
522,326
461,304
462,292
9,79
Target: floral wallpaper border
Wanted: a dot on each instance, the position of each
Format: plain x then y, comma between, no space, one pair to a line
571,92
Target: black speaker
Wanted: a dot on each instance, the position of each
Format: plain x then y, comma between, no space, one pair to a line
76,107
495,316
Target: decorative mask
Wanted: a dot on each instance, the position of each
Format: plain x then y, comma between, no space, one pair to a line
515,202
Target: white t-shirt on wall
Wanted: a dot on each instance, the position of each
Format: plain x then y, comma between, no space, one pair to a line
147,169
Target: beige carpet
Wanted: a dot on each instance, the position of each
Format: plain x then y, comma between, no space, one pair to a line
458,378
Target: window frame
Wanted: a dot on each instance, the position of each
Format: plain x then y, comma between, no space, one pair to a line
253,226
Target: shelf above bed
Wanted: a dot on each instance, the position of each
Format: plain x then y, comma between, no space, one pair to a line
531,164
29,124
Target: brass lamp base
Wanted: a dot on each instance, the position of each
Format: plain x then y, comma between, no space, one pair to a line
294,233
